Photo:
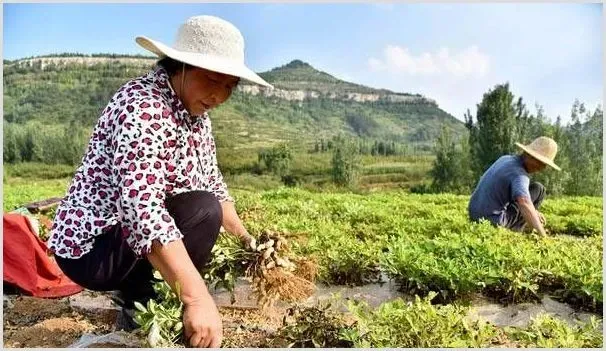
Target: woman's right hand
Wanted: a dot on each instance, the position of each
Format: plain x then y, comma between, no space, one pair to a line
202,323
201,320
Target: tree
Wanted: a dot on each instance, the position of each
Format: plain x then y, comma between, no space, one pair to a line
345,164
495,129
12,143
554,181
361,124
450,172
277,159
584,151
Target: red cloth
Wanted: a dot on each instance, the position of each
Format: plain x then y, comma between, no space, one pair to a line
26,263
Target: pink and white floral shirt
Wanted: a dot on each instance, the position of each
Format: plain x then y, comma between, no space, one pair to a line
144,148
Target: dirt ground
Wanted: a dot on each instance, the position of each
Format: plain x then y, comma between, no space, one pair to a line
35,322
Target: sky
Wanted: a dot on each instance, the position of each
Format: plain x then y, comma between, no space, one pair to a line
549,53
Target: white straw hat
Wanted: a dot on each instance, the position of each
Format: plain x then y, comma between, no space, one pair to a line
543,149
207,42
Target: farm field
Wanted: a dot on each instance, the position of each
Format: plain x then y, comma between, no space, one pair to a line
439,264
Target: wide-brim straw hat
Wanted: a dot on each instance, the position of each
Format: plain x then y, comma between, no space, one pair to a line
543,149
207,42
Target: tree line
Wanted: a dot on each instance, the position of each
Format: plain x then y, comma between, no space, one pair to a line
500,121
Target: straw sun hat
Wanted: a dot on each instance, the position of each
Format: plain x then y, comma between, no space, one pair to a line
207,42
543,149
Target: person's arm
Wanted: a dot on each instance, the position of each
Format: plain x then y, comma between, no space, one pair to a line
231,221
141,161
201,320
521,195
530,214
233,224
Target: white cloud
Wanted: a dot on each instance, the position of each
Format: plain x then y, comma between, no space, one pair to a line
470,62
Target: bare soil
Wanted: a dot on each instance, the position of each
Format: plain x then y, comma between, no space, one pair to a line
35,322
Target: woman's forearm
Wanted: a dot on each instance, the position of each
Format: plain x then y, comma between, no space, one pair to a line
231,221
173,262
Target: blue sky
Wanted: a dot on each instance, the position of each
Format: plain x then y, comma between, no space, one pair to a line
453,53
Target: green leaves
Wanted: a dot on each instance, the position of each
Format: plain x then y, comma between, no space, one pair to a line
424,242
418,324
161,322
229,261
140,307
427,243
316,326
548,331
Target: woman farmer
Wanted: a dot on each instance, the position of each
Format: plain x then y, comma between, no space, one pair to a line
149,193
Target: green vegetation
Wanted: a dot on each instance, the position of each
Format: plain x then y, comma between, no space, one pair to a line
421,324
501,121
451,169
550,332
161,322
393,324
34,120
425,242
339,158
345,164
297,75
20,191
316,326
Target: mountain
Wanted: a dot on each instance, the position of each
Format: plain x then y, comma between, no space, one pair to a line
306,105
298,75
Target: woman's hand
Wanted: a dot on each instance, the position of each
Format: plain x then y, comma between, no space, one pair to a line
202,323
233,224
249,242
201,319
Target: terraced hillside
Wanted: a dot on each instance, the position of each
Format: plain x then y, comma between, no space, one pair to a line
306,105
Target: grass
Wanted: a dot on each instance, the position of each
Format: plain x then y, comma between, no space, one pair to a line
37,171
19,191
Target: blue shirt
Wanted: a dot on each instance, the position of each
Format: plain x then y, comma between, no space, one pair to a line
500,185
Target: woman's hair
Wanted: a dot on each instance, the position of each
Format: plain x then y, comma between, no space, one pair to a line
171,65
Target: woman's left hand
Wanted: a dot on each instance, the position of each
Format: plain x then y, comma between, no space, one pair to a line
233,224
249,242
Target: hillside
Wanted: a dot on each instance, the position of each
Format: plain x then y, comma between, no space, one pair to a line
306,105
299,75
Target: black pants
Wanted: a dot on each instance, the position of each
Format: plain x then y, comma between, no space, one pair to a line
112,265
513,217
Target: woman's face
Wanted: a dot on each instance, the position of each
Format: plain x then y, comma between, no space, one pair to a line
204,90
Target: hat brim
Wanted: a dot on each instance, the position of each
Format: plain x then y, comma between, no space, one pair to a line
209,62
538,157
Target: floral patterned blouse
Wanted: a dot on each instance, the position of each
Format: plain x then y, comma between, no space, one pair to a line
144,148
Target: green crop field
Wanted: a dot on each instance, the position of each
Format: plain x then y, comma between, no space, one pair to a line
426,244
